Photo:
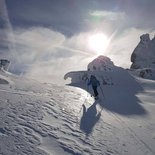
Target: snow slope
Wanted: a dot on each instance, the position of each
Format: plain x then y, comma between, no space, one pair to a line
41,118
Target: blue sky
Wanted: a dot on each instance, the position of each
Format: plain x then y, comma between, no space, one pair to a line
52,35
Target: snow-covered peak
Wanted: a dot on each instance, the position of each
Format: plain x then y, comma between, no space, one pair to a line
144,54
101,63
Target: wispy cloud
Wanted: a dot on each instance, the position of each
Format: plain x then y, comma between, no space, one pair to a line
36,42
47,55
44,53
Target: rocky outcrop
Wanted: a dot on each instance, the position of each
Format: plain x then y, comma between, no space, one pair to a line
4,64
146,73
101,63
144,54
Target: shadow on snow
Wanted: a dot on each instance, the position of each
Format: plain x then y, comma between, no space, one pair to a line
118,98
89,118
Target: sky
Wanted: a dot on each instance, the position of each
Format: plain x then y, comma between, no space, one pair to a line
48,38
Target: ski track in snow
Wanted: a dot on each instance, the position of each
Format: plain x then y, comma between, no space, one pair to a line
147,149
42,119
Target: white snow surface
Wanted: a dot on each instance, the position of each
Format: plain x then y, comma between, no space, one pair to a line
46,119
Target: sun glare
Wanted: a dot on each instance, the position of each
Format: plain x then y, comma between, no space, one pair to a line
98,42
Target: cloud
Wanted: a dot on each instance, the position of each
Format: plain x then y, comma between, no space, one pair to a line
36,43
39,38
122,46
107,21
71,17
48,55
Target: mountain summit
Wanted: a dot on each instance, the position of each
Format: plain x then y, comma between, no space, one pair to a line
144,54
101,63
143,57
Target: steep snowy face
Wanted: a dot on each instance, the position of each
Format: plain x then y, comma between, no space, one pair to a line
144,54
101,63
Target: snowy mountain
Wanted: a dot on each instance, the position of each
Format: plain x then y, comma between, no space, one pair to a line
41,118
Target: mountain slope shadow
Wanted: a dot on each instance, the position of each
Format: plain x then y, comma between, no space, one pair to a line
121,96
126,105
89,118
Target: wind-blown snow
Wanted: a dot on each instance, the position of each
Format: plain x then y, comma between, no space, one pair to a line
41,118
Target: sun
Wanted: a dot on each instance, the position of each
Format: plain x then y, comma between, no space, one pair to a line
98,42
